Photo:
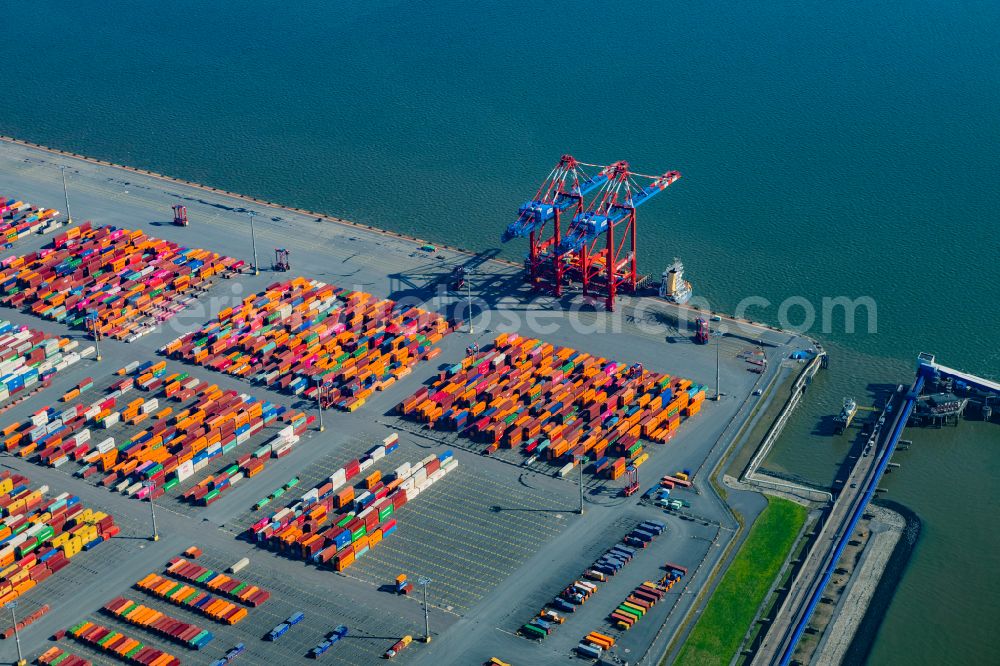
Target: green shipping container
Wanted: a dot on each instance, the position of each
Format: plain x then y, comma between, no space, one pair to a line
346,519
357,534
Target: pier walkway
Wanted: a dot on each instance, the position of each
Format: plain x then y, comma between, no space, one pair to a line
807,588
926,361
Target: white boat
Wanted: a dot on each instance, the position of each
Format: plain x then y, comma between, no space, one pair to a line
673,286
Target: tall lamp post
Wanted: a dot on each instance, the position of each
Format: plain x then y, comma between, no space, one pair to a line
319,400
17,636
253,242
718,388
424,582
92,319
468,292
69,216
152,510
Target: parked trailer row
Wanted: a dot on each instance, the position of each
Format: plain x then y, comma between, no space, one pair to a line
230,656
220,583
56,656
610,563
19,219
120,646
283,628
191,598
555,403
331,639
317,340
397,647
39,535
189,635
594,645
126,281
638,603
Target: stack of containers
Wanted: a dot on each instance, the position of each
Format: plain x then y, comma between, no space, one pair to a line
192,599
171,448
152,620
28,357
19,219
130,280
220,583
311,338
335,523
55,656
123,647
283,527
556,403
40,535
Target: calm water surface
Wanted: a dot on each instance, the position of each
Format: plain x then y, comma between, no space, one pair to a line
828,149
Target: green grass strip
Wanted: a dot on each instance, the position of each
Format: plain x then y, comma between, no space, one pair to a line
720,629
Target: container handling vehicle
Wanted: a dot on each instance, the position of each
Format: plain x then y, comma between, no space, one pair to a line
230,656
281,263
397,647
180,215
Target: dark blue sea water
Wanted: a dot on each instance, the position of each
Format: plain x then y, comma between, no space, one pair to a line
828,149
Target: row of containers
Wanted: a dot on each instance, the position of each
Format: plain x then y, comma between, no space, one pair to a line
172,432
117,282
189,635
29,358
314,339
40,535
336,523
556,403
120,646
57,656
577,593
19,219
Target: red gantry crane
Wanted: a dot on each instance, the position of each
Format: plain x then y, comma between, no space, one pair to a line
578,254
612,215
563,189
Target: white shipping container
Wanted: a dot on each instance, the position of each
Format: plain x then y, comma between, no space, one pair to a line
106,445
238,566
112,419
150,405
39,418
185,470
366,463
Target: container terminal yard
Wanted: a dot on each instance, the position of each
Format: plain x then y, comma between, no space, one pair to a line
495,532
